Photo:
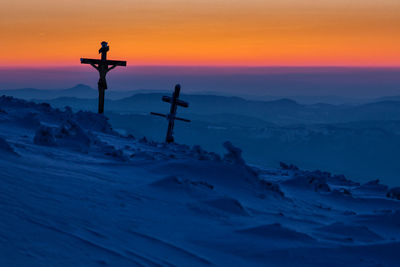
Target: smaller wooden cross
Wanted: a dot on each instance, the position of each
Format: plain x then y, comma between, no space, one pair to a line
103,66
171,117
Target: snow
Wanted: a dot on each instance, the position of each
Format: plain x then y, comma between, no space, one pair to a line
394,193
74,192
278,232
5,147
44,136
234,154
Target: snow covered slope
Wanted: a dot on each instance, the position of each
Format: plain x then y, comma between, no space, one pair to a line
75,193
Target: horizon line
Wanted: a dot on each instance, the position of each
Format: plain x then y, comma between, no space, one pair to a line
207,66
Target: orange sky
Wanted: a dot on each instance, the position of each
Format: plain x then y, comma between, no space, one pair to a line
202,32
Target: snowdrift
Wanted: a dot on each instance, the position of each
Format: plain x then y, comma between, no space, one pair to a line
74,192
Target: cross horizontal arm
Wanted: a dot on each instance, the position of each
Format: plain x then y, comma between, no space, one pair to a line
182,103
116,63
99,61
166,116
158,114
178,102
182,119
166,99
90,61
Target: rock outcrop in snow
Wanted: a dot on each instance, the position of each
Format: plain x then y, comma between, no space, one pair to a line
81,194
45,136
316,180
69,134
394,193
234,154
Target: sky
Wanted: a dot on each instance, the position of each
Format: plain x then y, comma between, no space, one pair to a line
44,33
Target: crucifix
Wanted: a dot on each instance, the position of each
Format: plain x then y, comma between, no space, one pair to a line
171,117
103,66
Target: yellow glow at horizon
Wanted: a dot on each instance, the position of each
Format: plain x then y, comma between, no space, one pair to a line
194,32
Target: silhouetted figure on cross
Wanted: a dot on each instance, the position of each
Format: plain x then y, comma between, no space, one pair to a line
103,66
171,117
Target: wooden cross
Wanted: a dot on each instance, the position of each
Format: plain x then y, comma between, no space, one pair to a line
103,66
171,117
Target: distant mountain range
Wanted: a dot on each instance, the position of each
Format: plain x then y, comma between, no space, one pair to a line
389,98
281,111
79,91
362,140
87,92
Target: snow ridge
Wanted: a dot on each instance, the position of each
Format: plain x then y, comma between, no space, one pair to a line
75,192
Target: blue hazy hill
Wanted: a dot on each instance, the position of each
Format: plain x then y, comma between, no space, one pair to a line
282,111
360,140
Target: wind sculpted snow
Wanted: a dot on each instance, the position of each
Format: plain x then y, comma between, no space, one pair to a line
73,192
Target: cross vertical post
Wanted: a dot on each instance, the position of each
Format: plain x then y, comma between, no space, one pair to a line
103,66
171,117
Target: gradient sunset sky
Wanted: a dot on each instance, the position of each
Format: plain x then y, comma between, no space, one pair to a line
202,32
